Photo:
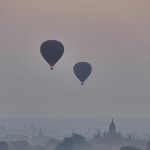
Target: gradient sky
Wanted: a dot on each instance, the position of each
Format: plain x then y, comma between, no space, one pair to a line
112,35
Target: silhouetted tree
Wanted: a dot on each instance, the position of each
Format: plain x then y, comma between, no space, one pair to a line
51,144
20,145
148,145
129,148
3,145
75,142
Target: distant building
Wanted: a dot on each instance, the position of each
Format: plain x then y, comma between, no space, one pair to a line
40,139
112,134
32,131
97,136
113,140
148,145
3,130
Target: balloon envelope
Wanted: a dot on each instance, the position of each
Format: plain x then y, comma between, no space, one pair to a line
52,51
82,70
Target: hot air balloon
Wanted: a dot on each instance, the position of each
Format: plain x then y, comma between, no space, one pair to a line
52,51
82,70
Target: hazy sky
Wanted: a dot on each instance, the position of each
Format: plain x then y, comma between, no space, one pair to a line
112,35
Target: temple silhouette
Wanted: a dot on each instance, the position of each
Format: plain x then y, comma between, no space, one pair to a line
113,139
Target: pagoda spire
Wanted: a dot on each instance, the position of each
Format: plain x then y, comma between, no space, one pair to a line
112,127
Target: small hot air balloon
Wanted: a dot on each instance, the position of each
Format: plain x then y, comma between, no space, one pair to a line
52,51
82,70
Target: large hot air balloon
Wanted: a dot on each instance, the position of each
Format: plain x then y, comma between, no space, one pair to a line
82,70
52,51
